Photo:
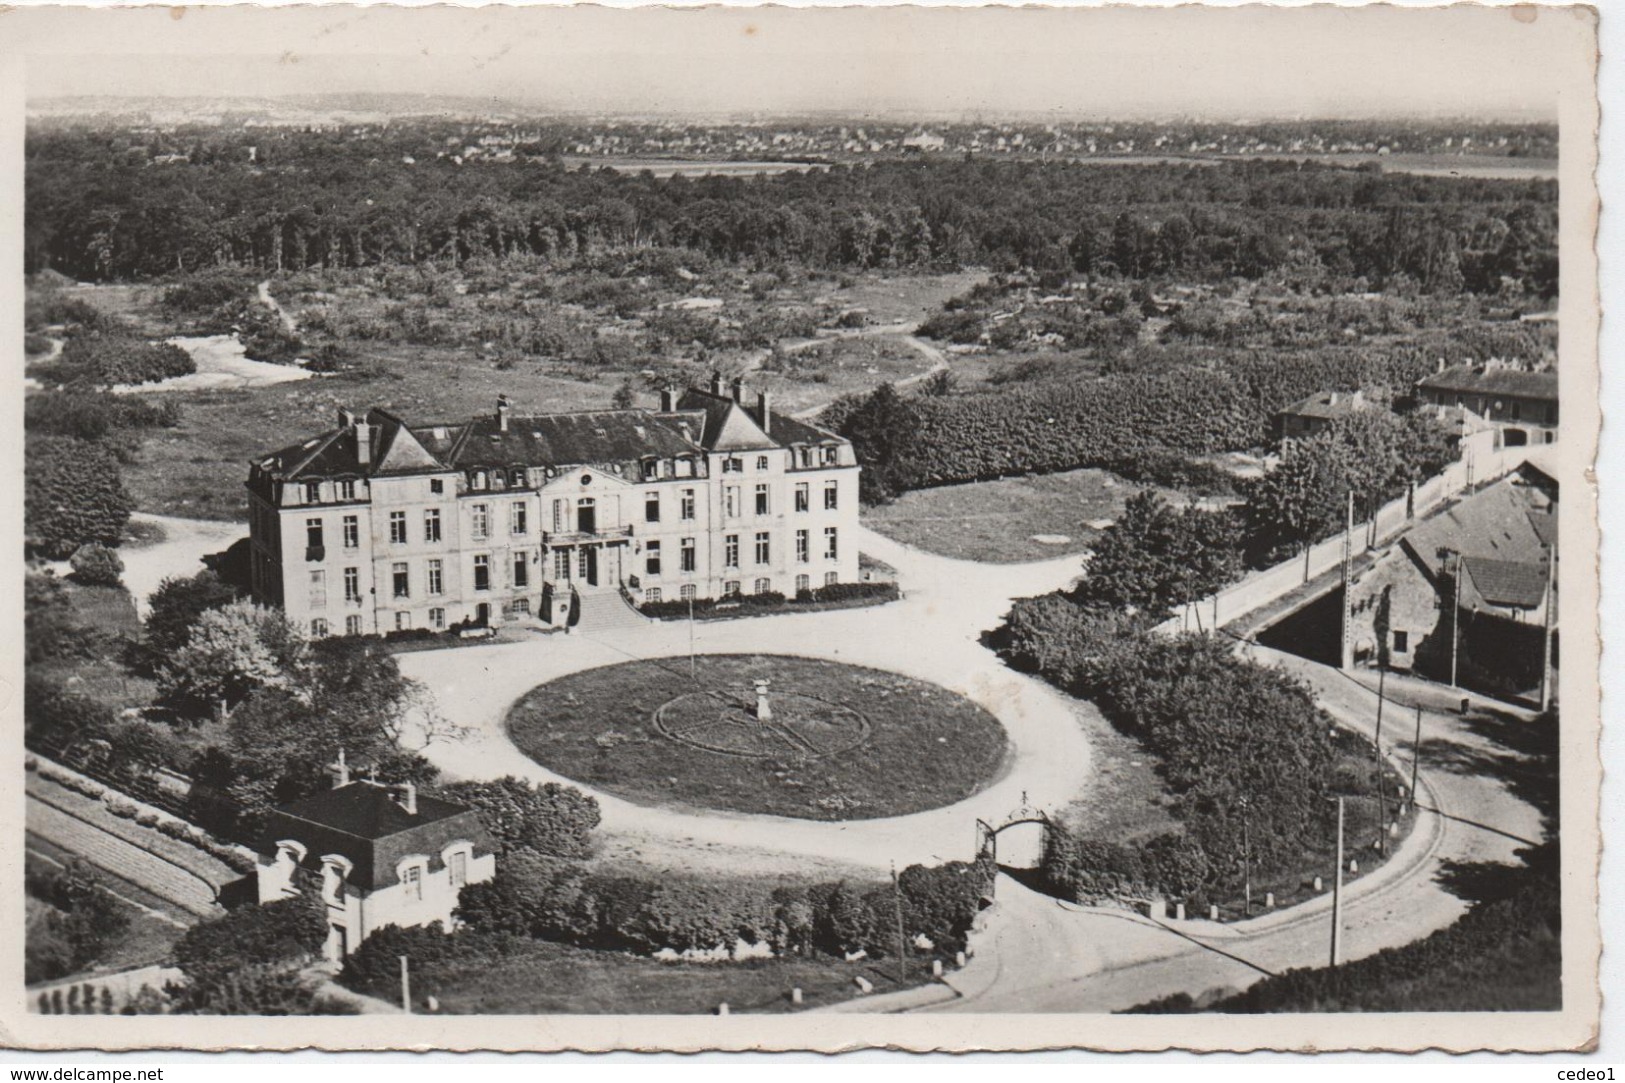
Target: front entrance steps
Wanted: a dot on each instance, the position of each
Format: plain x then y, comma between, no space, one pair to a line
606,611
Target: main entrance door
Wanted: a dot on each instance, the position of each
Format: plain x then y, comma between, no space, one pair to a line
589,557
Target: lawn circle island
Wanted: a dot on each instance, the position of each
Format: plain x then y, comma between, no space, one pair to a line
774,734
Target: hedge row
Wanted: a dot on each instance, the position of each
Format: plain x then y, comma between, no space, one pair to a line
1182,403
554,900
707,607
291,931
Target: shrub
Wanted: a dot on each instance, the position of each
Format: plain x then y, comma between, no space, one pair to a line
549,819
255,990
84,921
96,565
176,605
73,495
94,415
291,930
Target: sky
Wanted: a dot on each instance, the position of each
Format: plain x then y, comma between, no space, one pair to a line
1224,64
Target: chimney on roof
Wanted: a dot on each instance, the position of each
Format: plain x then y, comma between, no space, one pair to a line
739,388
503,410
363,439
716,383
346,418
668,400
764,412
409,798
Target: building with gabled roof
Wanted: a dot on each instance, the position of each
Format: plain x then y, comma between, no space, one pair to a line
1498,540
378,525
1522,404
381,855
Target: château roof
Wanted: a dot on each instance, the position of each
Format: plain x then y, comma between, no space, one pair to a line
1493,381
703,421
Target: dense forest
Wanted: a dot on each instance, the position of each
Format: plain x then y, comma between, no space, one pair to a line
100,209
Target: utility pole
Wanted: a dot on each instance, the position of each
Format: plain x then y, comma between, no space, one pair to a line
1346,647
1382,792
1551,619
406,987
897,906
1416,754
1455,626
1246,858
1337,892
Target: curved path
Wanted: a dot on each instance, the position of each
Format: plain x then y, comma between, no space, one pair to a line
932,634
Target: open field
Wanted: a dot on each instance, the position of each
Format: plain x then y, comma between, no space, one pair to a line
845,742
1002,521
549,978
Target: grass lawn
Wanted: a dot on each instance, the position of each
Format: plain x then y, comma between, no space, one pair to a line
925,747
904,298
549,978
145,940
998,521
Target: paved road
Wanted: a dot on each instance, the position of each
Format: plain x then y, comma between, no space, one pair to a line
1038,954
931,634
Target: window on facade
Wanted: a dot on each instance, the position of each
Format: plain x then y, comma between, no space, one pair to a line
730,589
402,580
761,462
802,547
832,546
318,588
352,532
1402,642
1517,410
582,561
651,558
313,533
346,490
652,594
561,564
457,868
397,528
686,592
831,578
587,515
352,584
651,508
832,495
436,578
763,586
730,501
318,628
803,496
412,880
431,525
479,518
437,485
313,492
685,505
437,619
521,570
403,621
686,555
352,625
482,572
730,551
761,500
518,519
763,545
803,583
733,465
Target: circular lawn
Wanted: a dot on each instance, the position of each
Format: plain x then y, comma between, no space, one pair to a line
838,742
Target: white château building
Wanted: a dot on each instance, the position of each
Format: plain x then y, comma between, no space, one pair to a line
379,525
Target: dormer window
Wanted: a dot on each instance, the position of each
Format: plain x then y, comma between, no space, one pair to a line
832,456
479,480
651,469
313,492
346,490
516,478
